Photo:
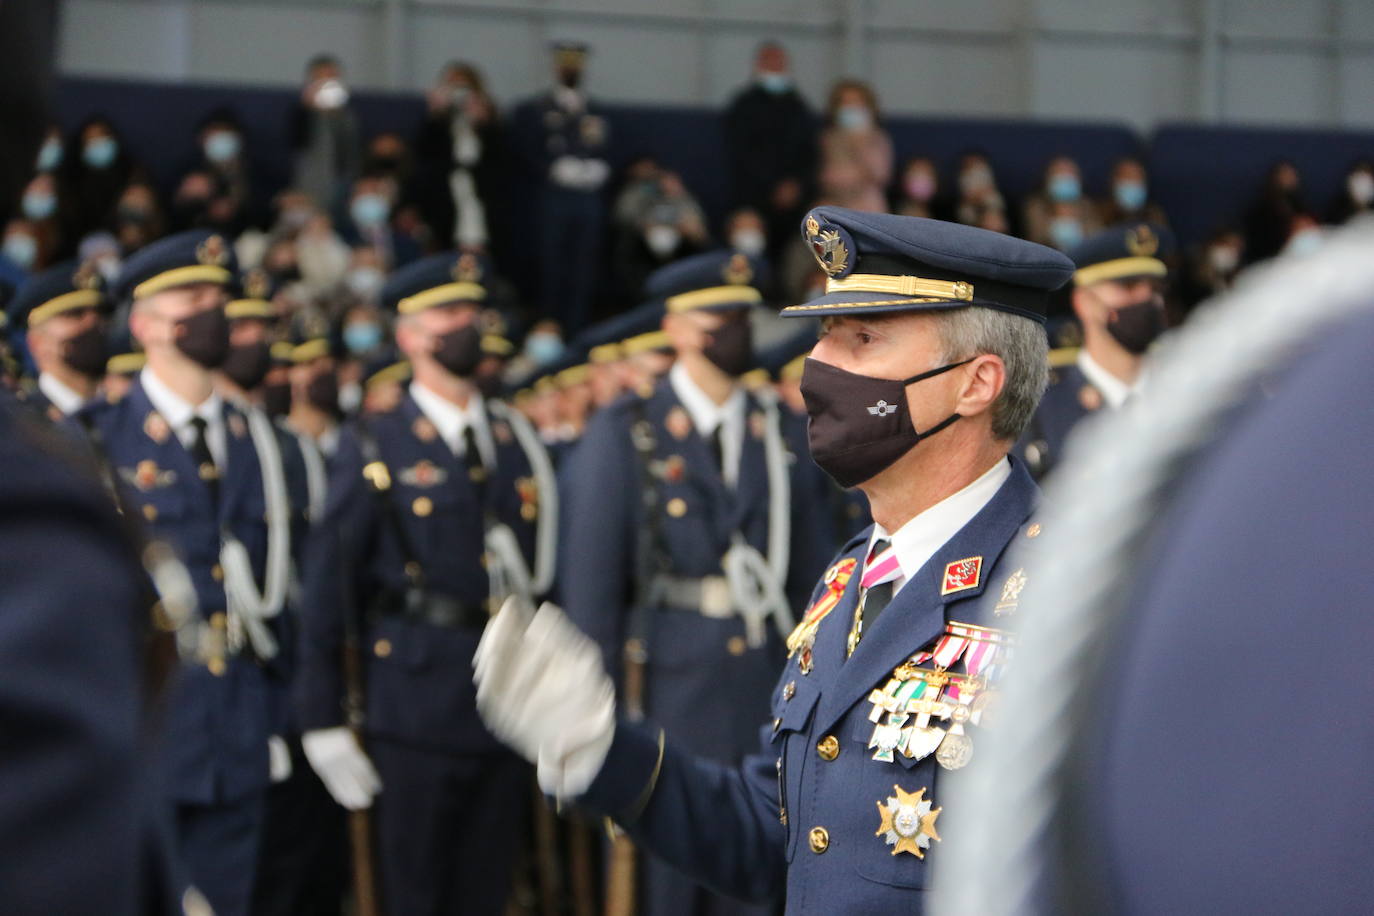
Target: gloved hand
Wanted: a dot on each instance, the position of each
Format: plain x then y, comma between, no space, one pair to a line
542,689
278,759
566,171
339,761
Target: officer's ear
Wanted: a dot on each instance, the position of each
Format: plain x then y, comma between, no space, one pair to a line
409,335
1086,306
984,380
682,332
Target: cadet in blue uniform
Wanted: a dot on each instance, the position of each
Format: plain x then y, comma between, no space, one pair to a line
1118,297
208,479
60,309
563,138
701,550
932,332
435,508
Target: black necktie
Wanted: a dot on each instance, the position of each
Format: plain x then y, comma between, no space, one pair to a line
205,462
876,597
472,457
718,449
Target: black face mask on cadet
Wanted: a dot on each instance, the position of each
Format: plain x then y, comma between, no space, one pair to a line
86,352
1136,326
731,348
276,399
204,337
247,364
860,425
459,351
322,392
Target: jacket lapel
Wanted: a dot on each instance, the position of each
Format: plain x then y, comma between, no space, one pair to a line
160,441
917,613
242,469
678,435
751,485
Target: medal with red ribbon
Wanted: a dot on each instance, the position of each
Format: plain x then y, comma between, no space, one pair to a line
803,637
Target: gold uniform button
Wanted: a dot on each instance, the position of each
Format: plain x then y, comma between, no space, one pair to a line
217,573
217,667
1033,531
529,512
829,747
820,840
422,506
150,512
382,648
736,645
677,507
790,690
218,621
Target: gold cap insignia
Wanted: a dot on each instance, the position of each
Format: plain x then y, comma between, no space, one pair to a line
213,251
830,251
467,269
737,270
86,277
1142,242
256,284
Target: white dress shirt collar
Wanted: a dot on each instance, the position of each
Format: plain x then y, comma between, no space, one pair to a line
919,539
177,411
1114,391
707,415
451,420
570,100
62,397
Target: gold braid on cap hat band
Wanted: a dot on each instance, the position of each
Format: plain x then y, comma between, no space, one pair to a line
902,286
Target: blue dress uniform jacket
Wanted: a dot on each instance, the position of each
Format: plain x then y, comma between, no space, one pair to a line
802,812
218,718
702,680
1069,398
419,687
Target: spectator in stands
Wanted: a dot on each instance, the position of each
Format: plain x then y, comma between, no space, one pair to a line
462,162
978,193
18,252
1214,269
138,217
856,152
1356,196
369,221
97,177
52,153
388,155
324,135
1269,221
919,193
1130,200
771,141
746,233
42,206
229,203
366,275
1305,235
1060,214
657,220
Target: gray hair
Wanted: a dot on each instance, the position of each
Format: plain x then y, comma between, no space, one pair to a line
1019,342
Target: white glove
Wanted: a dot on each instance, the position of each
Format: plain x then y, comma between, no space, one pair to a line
347,773
278,759
566,171
542,689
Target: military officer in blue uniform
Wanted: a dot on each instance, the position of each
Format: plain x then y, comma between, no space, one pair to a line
61,311
435,508
1118,298
208,479
563,136
931,361
701,549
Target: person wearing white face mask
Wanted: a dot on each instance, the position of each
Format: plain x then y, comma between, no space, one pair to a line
856,153
1356,195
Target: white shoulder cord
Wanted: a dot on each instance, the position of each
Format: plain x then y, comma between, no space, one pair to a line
756,584
316,477
249,609
1003,809
508,570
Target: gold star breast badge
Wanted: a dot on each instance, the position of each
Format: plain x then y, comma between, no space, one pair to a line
908,822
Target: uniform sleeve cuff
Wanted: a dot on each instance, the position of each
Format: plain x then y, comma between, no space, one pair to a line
627,779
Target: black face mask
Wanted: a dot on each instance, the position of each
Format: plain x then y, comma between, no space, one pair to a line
859,425
459,351
732,347
204,337
322,392
570,78
276,399
86,352
1136,326
247,364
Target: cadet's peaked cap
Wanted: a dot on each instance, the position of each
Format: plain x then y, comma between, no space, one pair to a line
714,281
54,291
440,279
252,296
878,263
1123,252
197,256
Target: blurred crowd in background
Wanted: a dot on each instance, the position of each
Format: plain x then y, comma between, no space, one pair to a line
359,206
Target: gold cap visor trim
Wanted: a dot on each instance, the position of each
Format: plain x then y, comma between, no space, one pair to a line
917,287
1120,269
249,308
311,349
464,291
714,295
77,299
182,276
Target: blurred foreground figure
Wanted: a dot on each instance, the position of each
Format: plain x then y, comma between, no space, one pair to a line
1193,736
73,821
